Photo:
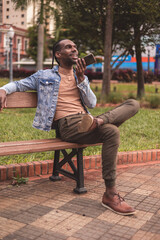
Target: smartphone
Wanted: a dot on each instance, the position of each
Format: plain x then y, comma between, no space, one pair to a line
89,59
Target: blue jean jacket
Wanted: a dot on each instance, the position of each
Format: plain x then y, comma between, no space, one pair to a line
46,83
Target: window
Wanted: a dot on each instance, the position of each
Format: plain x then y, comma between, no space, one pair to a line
25,44
22,23
18,44
7,2
7,9
22,8
22,15
7,16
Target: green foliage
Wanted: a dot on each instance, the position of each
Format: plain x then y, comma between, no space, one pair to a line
19,180
115,97
83,20
32,34
154,101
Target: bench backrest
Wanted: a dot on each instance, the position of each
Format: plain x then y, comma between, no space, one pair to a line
22,100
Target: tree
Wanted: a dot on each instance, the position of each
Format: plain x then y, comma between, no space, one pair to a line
44,6
140,20
32,34
107,49
135,24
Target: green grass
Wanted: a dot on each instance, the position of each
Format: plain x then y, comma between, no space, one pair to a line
138,133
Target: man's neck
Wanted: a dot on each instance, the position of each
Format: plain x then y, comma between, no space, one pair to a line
66,70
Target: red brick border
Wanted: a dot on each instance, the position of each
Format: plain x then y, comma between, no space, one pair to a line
38,168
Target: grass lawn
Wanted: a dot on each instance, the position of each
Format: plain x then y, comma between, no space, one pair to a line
139,133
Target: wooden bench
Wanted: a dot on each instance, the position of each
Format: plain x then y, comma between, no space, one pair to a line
29,100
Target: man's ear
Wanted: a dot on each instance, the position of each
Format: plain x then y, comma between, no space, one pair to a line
57,54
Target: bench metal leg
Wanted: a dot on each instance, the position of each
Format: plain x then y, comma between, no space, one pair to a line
80,174
77,174
55,175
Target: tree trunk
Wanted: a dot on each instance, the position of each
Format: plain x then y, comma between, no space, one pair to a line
140,76
40,46
40,38
107,50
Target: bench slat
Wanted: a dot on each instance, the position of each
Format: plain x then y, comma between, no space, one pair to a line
29,142
12,148
22,100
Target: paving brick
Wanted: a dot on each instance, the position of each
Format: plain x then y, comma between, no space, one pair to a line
125,157
50,166
98,161
93,230
149,155
24,169
3,173
120,158
130,160
154,155
44,167
45,210
93,162
10,171
144,156
134,157
37,167
17,170
152,225
158,155
30,169
139,157
87,162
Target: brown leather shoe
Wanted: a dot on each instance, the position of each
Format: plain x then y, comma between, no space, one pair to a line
89,123
117,204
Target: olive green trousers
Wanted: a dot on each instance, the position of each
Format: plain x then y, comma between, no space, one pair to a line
108,134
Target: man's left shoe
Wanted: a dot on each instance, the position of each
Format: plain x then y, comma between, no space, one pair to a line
117,204
89,123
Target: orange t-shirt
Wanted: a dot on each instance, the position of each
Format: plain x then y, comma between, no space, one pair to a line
68,102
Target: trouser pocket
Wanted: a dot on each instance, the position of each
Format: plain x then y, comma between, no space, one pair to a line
68,126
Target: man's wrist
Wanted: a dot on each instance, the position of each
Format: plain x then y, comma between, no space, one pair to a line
3,90
81,79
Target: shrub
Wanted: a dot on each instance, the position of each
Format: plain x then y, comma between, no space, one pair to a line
17,73
115,97
149,77
124,75
154,101
93,75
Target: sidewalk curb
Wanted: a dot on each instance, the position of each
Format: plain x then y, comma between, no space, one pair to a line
38,168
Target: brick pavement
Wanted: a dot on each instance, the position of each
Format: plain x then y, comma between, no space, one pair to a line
44,210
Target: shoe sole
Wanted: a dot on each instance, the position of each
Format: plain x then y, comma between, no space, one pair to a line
85,124
123,214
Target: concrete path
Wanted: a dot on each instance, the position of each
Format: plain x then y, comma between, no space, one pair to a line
44,210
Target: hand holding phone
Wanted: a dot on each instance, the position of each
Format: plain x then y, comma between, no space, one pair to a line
89,59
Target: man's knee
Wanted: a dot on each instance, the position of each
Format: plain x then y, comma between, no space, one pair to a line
134,103
111,133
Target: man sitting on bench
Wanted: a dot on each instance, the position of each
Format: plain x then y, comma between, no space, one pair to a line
63,94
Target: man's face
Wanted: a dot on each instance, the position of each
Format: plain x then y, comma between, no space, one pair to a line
68,53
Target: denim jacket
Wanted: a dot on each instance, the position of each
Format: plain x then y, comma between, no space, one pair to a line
46,83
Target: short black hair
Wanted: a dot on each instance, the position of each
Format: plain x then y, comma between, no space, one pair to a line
56,48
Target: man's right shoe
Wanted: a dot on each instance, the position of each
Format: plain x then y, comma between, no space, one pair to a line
89,123
117,204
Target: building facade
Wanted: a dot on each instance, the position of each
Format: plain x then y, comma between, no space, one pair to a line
17,19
